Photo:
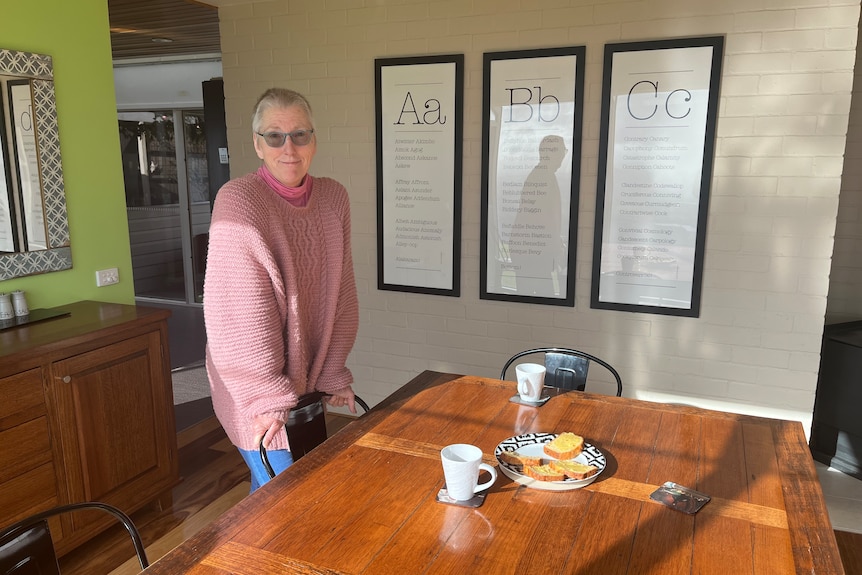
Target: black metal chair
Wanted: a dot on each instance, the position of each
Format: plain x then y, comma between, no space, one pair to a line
26,547
305,427
566,368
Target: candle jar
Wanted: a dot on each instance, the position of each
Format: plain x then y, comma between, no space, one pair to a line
6,309
19,303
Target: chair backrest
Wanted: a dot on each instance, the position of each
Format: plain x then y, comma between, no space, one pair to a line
28,551
566,368
26,547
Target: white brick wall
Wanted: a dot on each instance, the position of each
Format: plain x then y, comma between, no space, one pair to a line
784,110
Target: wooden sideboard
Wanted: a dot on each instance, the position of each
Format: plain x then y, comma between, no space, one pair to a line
86,415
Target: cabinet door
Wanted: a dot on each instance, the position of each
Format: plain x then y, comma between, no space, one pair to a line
119,437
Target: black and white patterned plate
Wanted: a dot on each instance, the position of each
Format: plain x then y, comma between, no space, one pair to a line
532,444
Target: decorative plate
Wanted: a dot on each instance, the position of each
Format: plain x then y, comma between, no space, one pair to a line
532,444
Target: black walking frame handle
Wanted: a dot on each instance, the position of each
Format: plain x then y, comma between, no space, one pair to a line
305,400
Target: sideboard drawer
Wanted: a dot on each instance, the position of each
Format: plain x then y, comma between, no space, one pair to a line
23,398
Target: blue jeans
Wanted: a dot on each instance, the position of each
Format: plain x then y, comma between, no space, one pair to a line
279,459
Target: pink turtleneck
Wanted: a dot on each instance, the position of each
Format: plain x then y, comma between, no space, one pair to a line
297,197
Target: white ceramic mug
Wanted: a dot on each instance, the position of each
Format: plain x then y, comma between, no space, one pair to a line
531,380
461,465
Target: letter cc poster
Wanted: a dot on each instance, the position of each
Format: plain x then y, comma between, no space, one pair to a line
659,110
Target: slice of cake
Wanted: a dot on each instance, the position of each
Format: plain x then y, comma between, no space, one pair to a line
516,459
566,445
543,473
573,469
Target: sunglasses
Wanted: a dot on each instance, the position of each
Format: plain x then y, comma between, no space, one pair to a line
277,139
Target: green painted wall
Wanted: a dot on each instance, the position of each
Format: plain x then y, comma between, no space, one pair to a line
76,35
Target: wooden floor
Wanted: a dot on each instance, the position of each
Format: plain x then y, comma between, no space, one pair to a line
214,478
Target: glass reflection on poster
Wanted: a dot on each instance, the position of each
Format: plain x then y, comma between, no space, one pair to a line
659,111
7,227
26,152
532,119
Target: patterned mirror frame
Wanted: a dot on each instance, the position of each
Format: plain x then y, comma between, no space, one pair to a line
38,68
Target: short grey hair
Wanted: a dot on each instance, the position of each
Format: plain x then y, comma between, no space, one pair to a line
279,98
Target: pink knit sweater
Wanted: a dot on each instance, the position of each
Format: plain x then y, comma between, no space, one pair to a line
280,302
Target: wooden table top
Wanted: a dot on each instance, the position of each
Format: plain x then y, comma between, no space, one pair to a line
365,501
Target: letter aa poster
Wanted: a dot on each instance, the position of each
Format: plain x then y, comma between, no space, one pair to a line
419,133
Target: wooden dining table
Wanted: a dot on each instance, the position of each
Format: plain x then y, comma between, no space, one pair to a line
366,500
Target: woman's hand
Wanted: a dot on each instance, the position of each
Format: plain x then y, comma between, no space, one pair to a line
342,397
265,427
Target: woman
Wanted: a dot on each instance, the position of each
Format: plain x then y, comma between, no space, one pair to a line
280,302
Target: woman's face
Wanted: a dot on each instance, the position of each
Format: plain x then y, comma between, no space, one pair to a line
288,163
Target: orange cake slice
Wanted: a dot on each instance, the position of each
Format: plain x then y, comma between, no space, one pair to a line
543,473
514,458
565,446
573,469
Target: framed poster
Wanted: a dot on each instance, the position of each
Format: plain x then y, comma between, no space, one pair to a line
8,238
531,141
24,124
659,110
419,108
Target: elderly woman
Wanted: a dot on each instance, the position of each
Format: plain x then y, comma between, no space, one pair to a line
280,302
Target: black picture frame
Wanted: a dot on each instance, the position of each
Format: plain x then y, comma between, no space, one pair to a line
532,124
655,172
419,126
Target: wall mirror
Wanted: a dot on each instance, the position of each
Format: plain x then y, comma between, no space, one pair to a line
34,230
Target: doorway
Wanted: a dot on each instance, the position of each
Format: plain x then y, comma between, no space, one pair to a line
168,208
167,201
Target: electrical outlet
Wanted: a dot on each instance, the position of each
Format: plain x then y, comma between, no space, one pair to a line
107,277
